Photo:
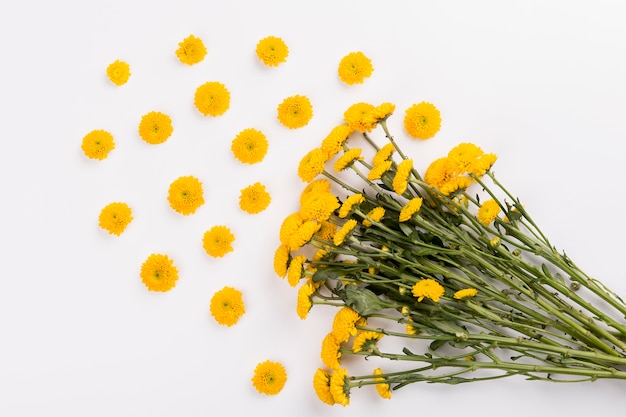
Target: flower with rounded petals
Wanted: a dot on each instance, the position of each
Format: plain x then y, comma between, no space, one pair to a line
344,232
347,159
311,165
281,260
410,208
350,202
378,170
439,172
217,241
354,68
191,50
155,127
115,217
249,146
294,272
185,195
331,351
365,341
344,324
314,187
97,144
254,198
427,288
383,154
422,121
303,234
212,99
488,211
227,306
374,215
465,293
384,110
269,377
340,387
295,112
401,179
319,206
158,273
334,141
304,304
383,388
321,385
118,72
290,224
360,117
272,51
327,231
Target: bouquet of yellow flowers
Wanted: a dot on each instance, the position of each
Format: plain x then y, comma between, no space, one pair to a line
448,264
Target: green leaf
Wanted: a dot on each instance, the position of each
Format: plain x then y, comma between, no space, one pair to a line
324,274
362,300
436,344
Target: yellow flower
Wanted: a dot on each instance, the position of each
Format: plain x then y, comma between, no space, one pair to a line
227,306
410,329
217,241
383,154
269,377
495,242
383,387
401,179
115,217
118,72
340,387
343,233
281,259
354,68
186,195
464,155
465,293
290,224
360,117
422,121
334,141
305,303
483,164
158,273
327,231
249,146
303,234
311,165
439,172
319,185
375,215
378,170
428,288
272,51
319,206
344,324
350,202
347,159
295,112
254,198
365,341
384,110
321,384
294,273
488,211
331,351
155,127
97,144
455,184
212,99
410,208
191,50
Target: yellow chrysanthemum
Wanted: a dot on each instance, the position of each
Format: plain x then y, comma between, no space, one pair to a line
343,233
118,72
155,127
186,195
378,170
191,50
374,215
427,288
115,217
254,198
311,165
483,164
334,141
97,144
295,112
321,385
269,377
319,206
349,203
303,234
217,241
360,117
401,179
383,154
272,51
249,146
212,99
347,159
319,185
344,324
340,387
422,121
327,231
488,211
383,388
410,208
304,304
331,351
464,155
294,272
439,172
384,110
227,306
290,224
455,184
158,273
365,341
354,68
281,260
465,293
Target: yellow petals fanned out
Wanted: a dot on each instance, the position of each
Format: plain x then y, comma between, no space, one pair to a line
384,110
311,165
333,143
118,72
155,127
227,306
290,224
303,234
115,217
347,159
464,155
319,185
294,272
272,51
383,154
295,112
249,146
281,260
269,377
488,211
340,387
254,198
360,117
383,388
319,206
350,202
374,215
212,99
428,288
158,273
217,241
439,172
344,324
465,293
97,144
354,68
365,341
378,170
422,121
343,233
305,303
321,385
331,351
401,179
185,195
191,50
410,208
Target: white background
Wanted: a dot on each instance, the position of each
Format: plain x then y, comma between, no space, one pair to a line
540,83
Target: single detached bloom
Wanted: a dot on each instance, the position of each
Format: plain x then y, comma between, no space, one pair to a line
186,195
191,50
354,68
427,288
118,72
115,217
272,51
227,306
254,198
269,377
97,144
422,121
217,241
158,273
295,112
212,99
155,127
249,146
488,211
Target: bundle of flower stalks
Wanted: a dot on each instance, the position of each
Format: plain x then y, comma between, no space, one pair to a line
438,277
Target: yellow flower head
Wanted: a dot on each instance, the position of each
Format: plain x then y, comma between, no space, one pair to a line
212,99
314,187
410,208
384,110
290,224
439,172
249,146
360,117
186,195
158,273
347,159
464,155
401,179
378,170
344,324
118,72
488,211
455,184
155,127
191,50
340,387
354,68
311,165
383,388
374,215
465,293
269,377
97,144
305,302
483,164
281,259
383,154
227,306
428,288
422,121
272,51
303,234
254,198
319,206
294,273
333,143
295,112
350,202
115,217
344,232
327,231
217,241
321,385
331,351
365,341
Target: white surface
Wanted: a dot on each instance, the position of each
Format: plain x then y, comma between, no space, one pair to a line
540,83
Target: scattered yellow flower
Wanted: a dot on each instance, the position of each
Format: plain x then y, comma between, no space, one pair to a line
422,121
217,241
249,146
212,99
97,144
186,195
354,68
158,273
118,72
254,198
227,306
269,377
272,51
428,288
115,217
155,127
295,112
191,50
